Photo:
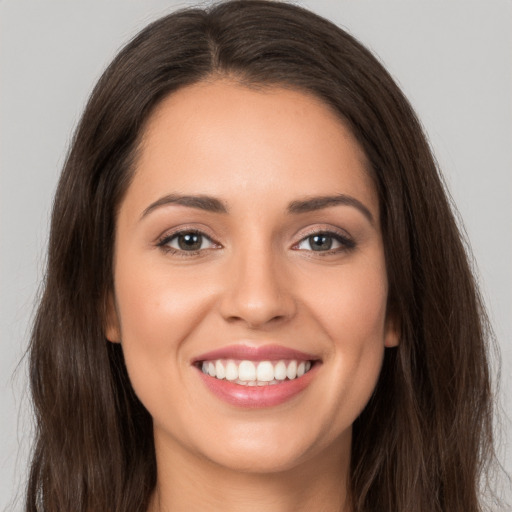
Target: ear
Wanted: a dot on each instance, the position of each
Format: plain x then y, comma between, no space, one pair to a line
392,330
111,322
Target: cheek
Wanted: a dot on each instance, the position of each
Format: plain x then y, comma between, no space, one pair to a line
352,313
158,306
157,310
351,303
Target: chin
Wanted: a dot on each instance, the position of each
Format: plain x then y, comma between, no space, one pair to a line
268,452
263,461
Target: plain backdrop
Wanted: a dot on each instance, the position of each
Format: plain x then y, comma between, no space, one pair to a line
452,59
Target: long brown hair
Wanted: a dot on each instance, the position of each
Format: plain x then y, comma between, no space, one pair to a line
424,438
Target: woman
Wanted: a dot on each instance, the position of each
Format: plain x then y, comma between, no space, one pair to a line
257,297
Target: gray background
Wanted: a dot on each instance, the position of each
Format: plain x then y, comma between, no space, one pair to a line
452,59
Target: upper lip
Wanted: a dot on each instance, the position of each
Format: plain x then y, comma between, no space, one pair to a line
255,353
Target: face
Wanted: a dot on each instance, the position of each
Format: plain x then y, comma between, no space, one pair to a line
250,286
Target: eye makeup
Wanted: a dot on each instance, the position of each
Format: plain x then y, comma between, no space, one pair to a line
187,242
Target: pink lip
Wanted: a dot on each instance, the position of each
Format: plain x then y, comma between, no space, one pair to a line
251,353
258,396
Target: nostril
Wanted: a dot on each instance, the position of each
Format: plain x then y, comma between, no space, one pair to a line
257,292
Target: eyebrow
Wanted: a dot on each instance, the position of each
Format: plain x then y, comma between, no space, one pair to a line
208,203
308,204
319,202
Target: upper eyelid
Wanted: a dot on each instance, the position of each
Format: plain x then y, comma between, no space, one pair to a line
164,243
326,230
333,234
308,232
345,241
172,233
172,236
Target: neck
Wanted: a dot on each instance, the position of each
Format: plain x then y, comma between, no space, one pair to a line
188,483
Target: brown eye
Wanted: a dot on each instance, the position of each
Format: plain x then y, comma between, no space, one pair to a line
189,241
325,241
186,241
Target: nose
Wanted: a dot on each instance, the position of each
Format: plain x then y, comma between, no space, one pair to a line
258,290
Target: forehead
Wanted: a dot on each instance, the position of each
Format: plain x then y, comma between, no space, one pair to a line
224,139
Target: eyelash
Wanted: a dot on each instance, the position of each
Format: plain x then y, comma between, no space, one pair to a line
347,244
164,242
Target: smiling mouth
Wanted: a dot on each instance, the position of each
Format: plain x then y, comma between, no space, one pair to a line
255,373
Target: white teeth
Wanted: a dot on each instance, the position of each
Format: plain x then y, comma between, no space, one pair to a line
265,371
246,371
280,371
231,371
291,371
220,372
249,373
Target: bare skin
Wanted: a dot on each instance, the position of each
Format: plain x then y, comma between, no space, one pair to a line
270,266
207,486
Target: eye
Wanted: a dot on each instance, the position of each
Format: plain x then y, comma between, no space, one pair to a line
186,241
325,242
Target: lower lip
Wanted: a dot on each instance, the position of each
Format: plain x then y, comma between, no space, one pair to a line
258,396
